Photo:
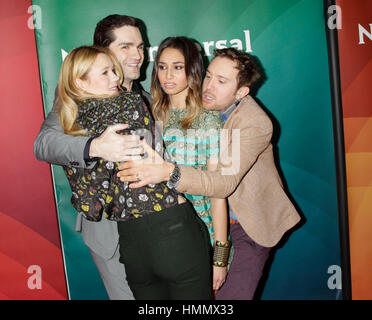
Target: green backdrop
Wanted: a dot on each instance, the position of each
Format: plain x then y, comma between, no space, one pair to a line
288,37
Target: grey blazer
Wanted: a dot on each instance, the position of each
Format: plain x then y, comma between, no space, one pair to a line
54,146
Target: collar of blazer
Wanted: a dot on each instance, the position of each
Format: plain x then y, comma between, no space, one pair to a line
240,108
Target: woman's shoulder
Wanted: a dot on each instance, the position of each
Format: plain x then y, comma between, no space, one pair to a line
121,96
128,95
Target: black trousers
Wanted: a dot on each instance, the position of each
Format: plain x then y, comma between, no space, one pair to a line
167,255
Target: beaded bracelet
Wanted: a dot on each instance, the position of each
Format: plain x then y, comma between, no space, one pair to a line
221,253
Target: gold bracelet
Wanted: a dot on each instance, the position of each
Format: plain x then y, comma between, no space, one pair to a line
226,244
221,253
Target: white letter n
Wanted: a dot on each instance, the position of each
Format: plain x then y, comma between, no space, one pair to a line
362,32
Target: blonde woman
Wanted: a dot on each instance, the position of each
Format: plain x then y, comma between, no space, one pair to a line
162,243
191,134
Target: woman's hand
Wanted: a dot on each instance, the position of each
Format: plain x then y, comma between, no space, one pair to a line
219,276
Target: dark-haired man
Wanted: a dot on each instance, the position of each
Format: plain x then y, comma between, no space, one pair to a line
121,34
260,211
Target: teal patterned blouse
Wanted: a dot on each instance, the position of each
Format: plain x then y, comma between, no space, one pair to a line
193,147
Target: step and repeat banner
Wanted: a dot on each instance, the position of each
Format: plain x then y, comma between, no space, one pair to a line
31,262
42,257
355,52
289,39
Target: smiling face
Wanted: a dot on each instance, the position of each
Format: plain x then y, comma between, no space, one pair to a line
220,85
101,79
171,73
128,49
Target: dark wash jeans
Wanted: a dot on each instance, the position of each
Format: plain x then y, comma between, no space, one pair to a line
167,255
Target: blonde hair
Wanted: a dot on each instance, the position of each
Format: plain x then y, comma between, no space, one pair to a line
193,69
76,65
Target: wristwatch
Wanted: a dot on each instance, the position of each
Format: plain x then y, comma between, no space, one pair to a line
174,177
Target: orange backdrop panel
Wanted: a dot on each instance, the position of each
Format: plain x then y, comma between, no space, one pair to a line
29,232
356,79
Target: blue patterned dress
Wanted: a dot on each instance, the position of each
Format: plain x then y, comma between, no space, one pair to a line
193,147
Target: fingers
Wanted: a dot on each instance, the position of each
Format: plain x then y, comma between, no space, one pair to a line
129,178
127,154
128,167
128,171
134,151
147,148
138,184
153,156
133,171
128,138
219,276
131,158
112,146
129,143
129,174
218,282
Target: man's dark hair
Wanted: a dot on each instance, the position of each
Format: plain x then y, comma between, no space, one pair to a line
248,72
104,35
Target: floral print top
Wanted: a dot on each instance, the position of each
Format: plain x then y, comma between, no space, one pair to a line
98,191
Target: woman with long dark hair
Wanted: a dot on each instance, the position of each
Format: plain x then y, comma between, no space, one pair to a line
191,134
